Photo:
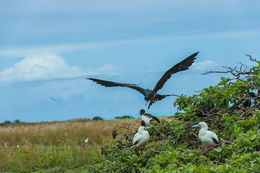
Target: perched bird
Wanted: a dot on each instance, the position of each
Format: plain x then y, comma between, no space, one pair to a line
86,140
207,137
141,138
147,118
151,96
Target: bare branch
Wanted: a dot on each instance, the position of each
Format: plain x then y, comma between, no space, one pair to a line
252,59
236,71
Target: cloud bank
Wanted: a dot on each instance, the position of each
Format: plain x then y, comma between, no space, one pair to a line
204,65
49,66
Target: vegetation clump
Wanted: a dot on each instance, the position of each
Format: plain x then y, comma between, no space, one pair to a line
97,118
8,122
231,109
124,117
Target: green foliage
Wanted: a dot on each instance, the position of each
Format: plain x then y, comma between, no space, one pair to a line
96,118
174,148
124,117
17,121
221,96
7,122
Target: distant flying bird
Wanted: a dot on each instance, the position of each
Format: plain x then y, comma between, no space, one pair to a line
147,118
207,137
151,96
53,99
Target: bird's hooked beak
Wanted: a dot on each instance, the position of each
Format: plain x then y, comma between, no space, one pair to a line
145,128
197,125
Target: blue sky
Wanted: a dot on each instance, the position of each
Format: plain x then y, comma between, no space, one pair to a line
47,48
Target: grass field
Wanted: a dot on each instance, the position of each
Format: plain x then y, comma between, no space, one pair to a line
57,146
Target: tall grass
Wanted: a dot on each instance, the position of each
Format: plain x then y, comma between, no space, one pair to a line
27,147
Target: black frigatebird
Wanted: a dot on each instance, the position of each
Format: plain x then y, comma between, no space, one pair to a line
151,96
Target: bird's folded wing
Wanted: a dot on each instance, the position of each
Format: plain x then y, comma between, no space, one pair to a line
215,140
136,139
214,137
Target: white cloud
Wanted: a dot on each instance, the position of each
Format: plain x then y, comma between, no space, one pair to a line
49,66
204,65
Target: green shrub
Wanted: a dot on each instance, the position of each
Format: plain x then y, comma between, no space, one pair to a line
124,117
96,118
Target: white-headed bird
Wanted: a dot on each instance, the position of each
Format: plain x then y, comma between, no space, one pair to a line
208,138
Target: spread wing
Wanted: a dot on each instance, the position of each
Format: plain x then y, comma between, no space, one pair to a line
153,117
159,97
115,84
181,66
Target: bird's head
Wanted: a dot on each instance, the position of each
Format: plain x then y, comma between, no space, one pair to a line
142,111
142,128
201,125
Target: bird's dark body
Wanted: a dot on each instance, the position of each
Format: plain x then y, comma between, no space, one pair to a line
151,96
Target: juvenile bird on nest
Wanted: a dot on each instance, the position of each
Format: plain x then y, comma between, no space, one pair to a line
151,96
147,118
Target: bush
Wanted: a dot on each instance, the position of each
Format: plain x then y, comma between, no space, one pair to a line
17,121
96,118
124,117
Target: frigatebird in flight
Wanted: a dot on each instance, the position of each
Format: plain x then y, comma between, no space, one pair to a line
151,96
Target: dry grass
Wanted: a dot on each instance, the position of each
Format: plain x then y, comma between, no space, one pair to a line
64,133
46,145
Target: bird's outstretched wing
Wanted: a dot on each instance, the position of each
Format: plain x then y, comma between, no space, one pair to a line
115,84
159,97
181,66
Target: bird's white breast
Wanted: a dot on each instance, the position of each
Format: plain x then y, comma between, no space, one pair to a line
146,120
